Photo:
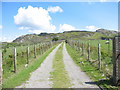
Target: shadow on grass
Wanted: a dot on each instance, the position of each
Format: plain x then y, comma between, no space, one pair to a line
103,82
93,83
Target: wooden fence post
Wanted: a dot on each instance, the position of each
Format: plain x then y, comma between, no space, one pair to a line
34,51
46,46
116,60
43,47
82,49
77,45
0,67
51,44
15,61
74,44
39,48
27,55
109,48
99,57
88,51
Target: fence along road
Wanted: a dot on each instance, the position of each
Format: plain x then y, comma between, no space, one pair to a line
78,78
40,78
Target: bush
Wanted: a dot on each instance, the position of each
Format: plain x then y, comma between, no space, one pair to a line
66,41
55,39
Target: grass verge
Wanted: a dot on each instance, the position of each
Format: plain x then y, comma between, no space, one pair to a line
59,76
23,75
96,75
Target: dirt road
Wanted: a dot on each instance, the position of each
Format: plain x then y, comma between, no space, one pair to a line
40,78
78,78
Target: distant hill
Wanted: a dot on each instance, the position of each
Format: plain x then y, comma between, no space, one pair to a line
35,38
107,32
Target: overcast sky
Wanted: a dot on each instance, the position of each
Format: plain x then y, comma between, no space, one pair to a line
36,17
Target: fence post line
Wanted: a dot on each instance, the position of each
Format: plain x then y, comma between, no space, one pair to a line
116,60
34,51
82,49
1,67
88,51
15,61
48,45
41,48
45,47
51,44
99,57
79,46
28,55
108,47
74,44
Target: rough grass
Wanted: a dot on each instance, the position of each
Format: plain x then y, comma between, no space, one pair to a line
59,76
106,55
8,58
23,75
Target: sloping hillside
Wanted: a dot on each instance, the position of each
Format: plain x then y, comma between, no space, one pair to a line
35,38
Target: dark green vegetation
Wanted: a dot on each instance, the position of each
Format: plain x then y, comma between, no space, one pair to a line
23,73
102,77
35,38
55,39
59,76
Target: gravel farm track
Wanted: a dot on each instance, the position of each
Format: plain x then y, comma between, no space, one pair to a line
40,78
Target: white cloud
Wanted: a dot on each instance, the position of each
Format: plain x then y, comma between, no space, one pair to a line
34,18
1,26
66,27
23,28
91,28
54,9
2,38
35,31
5,39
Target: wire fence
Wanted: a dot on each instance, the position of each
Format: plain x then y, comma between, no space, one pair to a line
97,52
15,57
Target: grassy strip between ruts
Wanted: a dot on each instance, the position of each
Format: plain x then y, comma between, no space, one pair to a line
96,75
59,76
23,75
